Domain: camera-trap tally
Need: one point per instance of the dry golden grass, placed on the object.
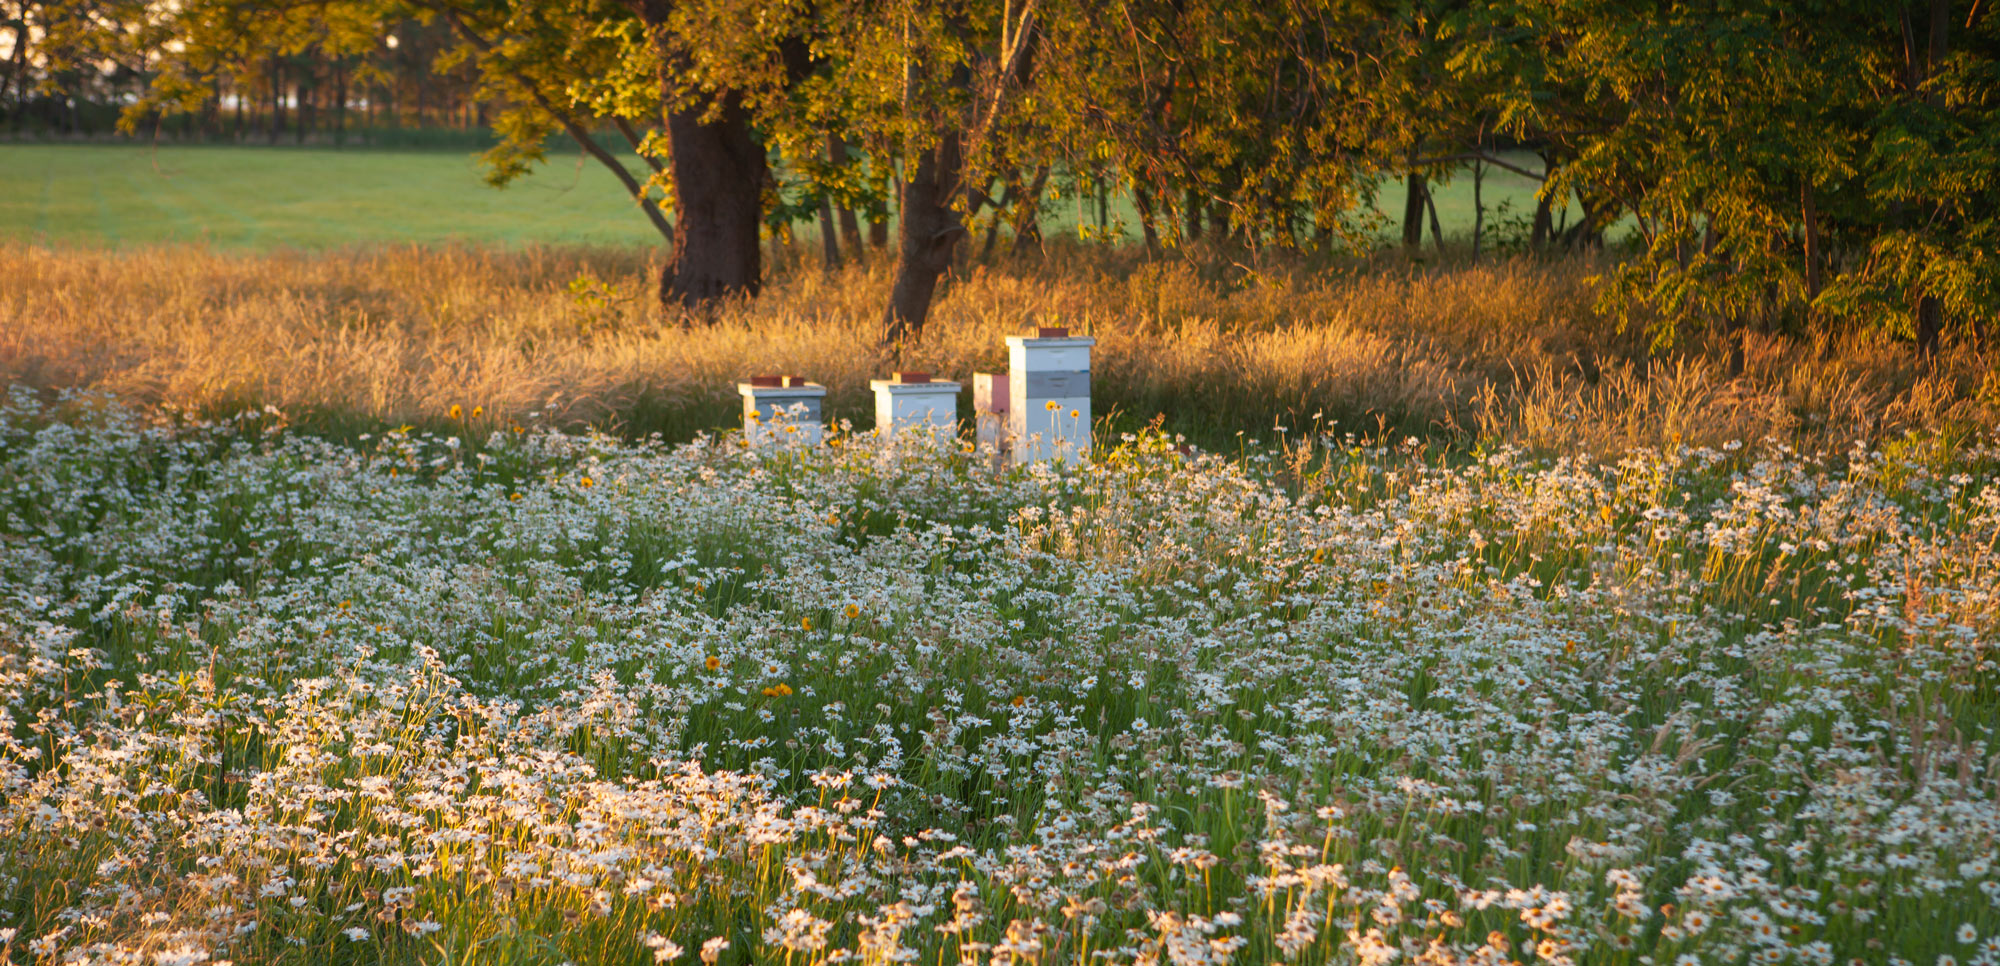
(1507, 348)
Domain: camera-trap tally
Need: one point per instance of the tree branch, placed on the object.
(575, 129)
(632, 135)
(1483, 158)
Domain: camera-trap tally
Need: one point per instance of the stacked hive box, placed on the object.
(781, 408)
(989, 408)
(913, 401)
(1048, 406)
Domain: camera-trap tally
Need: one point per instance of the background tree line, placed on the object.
(1776, 164)
(59, 77)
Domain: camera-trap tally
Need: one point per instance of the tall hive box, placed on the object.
(989, 410)
(914, 401)
(1048, 389)
(779, 408)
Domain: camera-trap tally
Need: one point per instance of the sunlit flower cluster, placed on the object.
(537, 697)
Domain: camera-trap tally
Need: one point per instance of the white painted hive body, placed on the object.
(782, 413)
(924, 407)
(989, 409)
(1048, 408)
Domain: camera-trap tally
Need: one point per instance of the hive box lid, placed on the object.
(781, 392)
(1062, 343)
(913, 388)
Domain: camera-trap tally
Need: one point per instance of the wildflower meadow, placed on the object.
(496, 693)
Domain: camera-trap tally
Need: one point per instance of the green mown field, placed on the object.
(242, 197)
(267, 197)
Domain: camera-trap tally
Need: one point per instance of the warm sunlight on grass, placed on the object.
(1505, 348)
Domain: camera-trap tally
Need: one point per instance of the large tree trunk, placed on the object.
(719, 174)
(930, 230)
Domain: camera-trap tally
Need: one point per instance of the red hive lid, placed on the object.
(913, 377)
(767, 382)
(1052, 332)
(794, 382)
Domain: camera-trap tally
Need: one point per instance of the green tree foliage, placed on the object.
(1760, 162)
(1775, 158)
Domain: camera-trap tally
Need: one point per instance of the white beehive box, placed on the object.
(1048, 406)
(782, 408)
(989, 410)
(914, 401)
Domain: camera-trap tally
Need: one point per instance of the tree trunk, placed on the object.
(1930, 326)
(302, 112)
(829, 243)
(1478, 207)
(719, 174)
(1811, 230)
(930, 230)
(16, 83)
(1142, 200)
(850, 227)
(211, 114)
(339, 106)
(1430, 205)
(880, 176)
(1192, 216)
(1413, 211)
(1930, 311)
(1028, 213)
(277, 101)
